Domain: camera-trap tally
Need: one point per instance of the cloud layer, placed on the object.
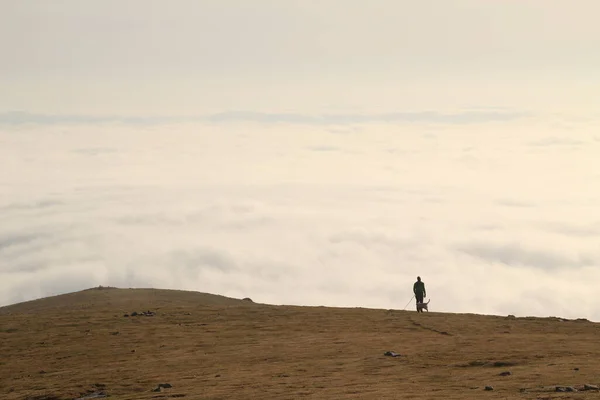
(294, 214)
(464, 117)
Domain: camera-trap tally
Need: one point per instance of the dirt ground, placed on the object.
(212, 347)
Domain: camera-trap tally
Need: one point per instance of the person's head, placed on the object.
(419, 278)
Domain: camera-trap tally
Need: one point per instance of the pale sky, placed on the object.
(192, 57)
(304, 152)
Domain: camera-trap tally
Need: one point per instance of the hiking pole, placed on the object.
(408, 302)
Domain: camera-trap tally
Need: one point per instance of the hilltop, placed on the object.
(204, 346)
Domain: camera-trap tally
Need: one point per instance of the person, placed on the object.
(419, 290)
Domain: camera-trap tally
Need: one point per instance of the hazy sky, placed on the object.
(189, 57)
(305, 152)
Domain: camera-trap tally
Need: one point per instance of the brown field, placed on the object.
(212, 347)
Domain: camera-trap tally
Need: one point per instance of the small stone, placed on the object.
(505, 373)
(218, 376)
(590, 387)
(133, 351)
(248, 299)
(565, 389)
(488, 388)
(134, 314)
(575, 369)
(126, 315)
(162, 386)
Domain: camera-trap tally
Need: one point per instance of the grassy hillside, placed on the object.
(213, 347)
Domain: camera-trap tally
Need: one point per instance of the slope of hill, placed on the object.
(202, 346)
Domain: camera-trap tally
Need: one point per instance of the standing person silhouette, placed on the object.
(419, 291)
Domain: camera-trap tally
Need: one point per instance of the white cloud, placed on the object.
(514, 255)
(461, 117)
(244, 210)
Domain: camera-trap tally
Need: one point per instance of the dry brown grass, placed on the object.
(213, 347)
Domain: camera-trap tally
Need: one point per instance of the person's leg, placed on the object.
(419, 298)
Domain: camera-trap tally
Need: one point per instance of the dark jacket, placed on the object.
(419, 288)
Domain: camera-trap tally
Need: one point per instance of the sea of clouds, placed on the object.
(497, 216)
